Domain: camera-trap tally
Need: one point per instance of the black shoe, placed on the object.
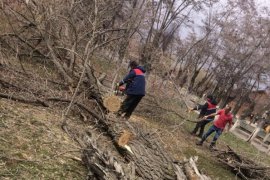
(200, 143)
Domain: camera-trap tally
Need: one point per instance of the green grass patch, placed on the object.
(214, 169)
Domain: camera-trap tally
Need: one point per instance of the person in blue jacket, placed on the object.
(135, 89)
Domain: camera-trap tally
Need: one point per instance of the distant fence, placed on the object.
(249, 128)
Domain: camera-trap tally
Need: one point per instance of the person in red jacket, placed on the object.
(225, 117)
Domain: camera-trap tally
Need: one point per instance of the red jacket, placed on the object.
(223, 119)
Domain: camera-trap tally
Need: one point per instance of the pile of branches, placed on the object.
(143, 157)
(242, 166)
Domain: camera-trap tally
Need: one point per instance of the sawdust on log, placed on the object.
(267, 129)
(112, 103)
(125, 138)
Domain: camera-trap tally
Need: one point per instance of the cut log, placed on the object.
(148, 157)
(124, 138)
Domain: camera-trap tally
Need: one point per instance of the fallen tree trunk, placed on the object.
(148, 157)
(133, 161)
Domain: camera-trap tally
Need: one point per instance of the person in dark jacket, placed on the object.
(209, 107)
(135, 89)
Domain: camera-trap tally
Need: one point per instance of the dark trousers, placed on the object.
(200, 125)
(212, 129)
(129, 104)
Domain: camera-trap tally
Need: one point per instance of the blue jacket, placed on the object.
(135, 81)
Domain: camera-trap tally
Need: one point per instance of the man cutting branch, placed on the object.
(135, 89)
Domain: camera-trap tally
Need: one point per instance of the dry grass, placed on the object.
(33, 146)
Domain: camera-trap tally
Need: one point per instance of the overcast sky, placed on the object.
(263, 2)
(197, 17)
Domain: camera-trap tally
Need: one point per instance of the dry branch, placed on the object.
(23, 100)
(242, 166)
